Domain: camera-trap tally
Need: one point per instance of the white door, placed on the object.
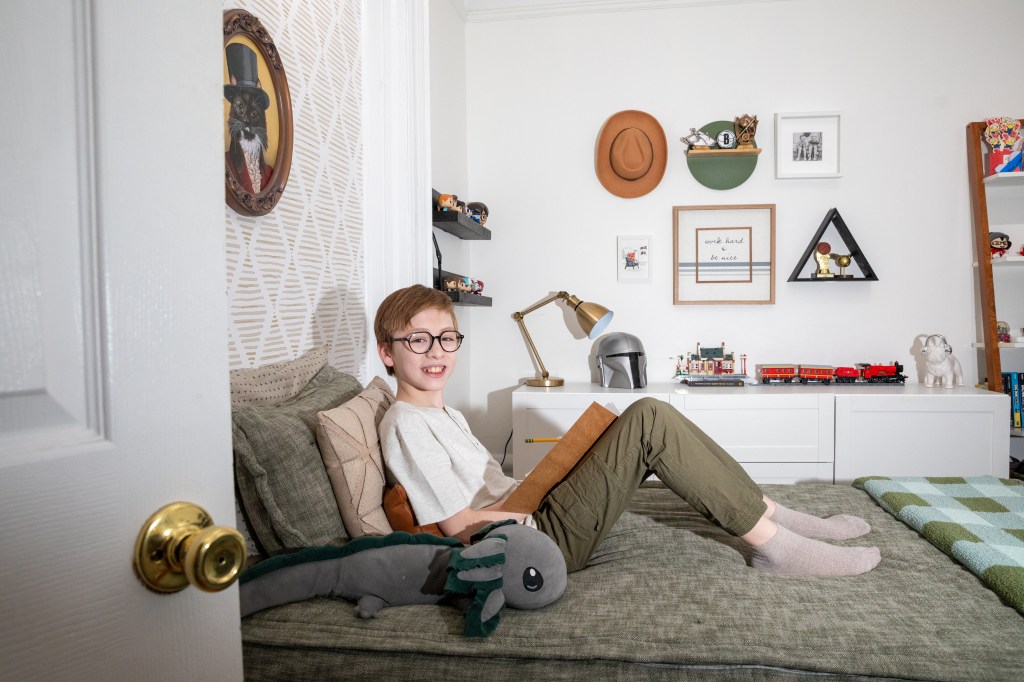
(113, 363)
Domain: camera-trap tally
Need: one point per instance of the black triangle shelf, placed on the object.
(833, 218)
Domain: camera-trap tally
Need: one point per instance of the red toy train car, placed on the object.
(863, 372)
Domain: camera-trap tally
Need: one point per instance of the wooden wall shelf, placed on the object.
(711, 153)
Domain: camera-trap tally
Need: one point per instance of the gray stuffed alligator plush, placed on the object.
(506, 564)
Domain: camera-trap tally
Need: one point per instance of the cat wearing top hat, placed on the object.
(247, 120)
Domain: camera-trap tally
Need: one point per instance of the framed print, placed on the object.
(634, 262)
(807, 145)
(724, 254)
(257, 116)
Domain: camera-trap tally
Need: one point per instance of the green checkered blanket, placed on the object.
(979, 521)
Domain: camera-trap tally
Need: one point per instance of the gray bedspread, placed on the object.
(668, 596)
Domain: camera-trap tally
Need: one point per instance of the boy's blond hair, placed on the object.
(397, 310)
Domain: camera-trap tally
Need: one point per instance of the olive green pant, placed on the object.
(650, 437)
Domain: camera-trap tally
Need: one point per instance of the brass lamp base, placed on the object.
(546, 383)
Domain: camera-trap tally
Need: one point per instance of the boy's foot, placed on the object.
(839, 527)
(790, 554)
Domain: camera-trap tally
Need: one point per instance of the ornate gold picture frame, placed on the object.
(257, 116)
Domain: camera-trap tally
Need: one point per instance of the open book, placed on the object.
(569, 453)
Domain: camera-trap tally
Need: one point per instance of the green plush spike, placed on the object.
(476, 626)
(310, 554)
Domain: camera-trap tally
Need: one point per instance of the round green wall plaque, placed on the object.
(720, 172)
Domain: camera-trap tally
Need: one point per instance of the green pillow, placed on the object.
(285, 493)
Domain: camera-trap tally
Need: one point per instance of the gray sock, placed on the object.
(838, 527)
(790, 554)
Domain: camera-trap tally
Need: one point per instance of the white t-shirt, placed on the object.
(439, 462)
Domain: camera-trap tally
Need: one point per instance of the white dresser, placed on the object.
(792, 433)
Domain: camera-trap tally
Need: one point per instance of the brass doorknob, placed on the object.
(179, 546)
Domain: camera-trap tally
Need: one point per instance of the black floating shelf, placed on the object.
(459, 297)
(458, 224)
(858, 256)
(462, 298)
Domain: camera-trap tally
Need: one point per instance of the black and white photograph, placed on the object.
(807, 145)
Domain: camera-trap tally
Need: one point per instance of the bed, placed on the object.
(667, 596)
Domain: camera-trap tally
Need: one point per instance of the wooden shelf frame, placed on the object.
(978, 183)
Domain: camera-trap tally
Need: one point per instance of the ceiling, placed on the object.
(498, 10)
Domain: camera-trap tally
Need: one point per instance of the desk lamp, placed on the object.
(593, 318)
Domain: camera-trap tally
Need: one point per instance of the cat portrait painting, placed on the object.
(257, 117)
(248, 156)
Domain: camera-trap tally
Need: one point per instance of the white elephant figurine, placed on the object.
(941, 367)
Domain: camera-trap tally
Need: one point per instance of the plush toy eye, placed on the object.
(532, 579)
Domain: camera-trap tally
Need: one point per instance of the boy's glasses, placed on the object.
(422, 342)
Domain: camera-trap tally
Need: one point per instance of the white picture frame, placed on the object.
(723, 254)
(808, 145)
(633, 258)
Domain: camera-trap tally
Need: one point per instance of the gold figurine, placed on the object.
(843, 261)
(746, 128)
(821, 254)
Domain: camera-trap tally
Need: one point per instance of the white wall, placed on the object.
(296, 276)
(448, 161)
(907, 76)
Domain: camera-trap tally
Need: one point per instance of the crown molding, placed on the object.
(460, 8)
(503, 10)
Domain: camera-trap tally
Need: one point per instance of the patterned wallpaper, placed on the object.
(295, 277)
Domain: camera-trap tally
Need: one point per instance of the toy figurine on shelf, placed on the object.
(478, 211)
(1003, 136)
(451, 283)
(447, 202)
(460, 206)
(746, 128)
(697, 139)
(999, 243)
(1003, 332)
(821, 254)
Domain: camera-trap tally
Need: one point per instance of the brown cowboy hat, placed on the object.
(631, 154)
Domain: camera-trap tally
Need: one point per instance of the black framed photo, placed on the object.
(257, 116)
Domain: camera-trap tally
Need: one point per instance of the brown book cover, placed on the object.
(562, 460)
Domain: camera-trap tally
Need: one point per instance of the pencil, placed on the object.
(543, 440)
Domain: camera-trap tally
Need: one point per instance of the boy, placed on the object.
(453, 481)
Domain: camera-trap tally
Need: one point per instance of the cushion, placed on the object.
(278, 382)
(285, 493)
(400, 514)
(351, 454)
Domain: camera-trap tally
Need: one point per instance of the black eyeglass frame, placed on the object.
(408, 344)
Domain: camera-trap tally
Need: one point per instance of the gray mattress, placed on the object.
(669, 596)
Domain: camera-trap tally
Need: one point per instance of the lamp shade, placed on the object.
(593, 318)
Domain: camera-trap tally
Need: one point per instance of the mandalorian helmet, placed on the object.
(621, 361)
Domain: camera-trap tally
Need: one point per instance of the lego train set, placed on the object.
(862, 372)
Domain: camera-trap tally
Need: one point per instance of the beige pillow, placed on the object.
(350, 447)
(274, 384)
